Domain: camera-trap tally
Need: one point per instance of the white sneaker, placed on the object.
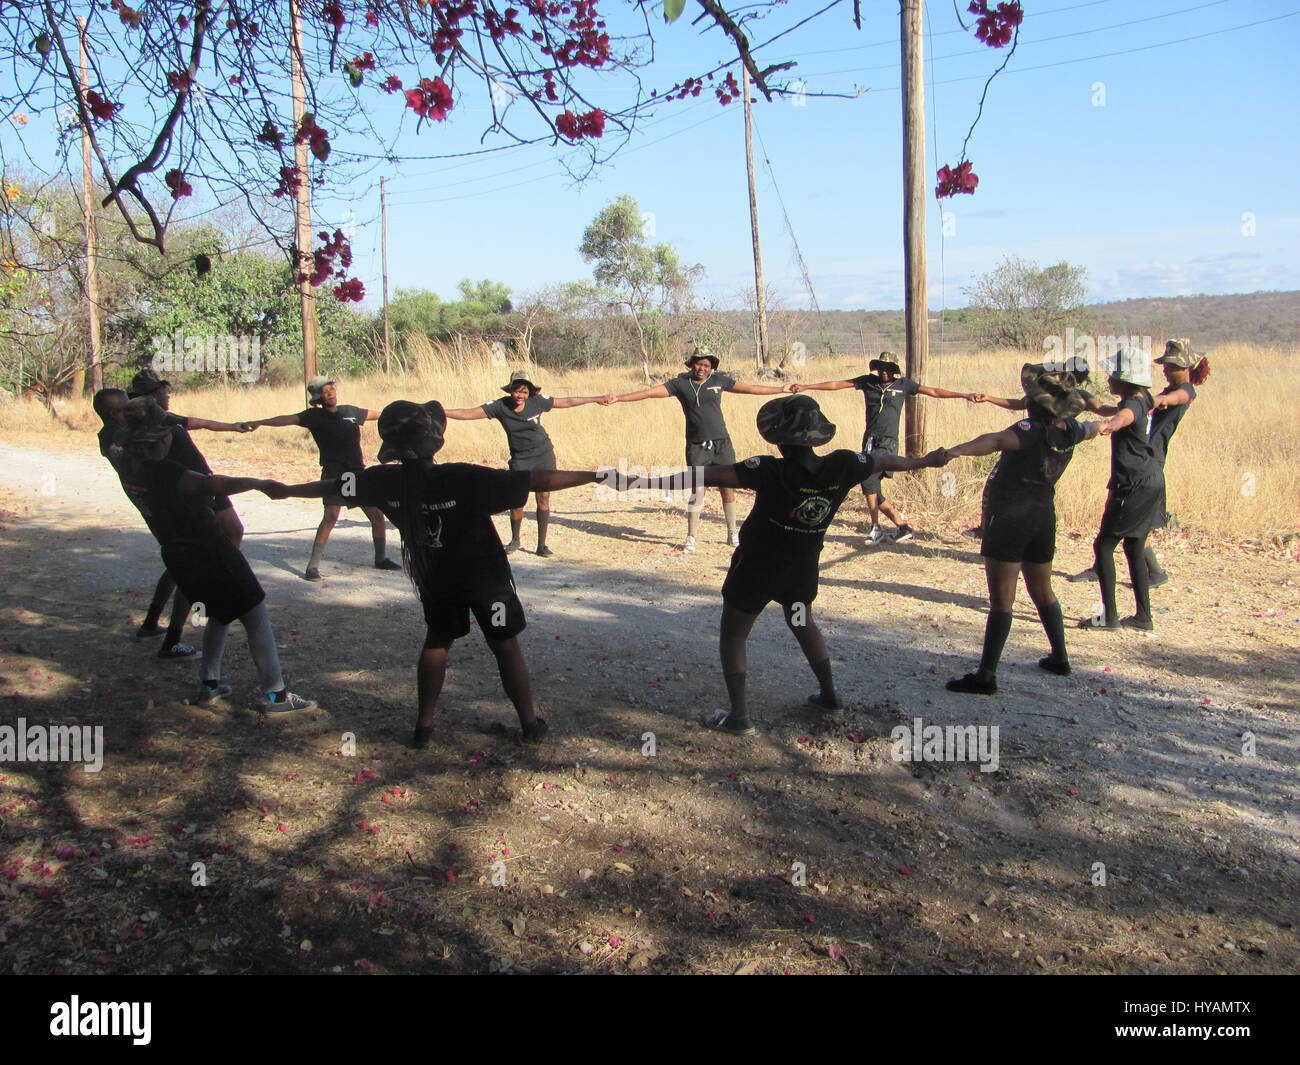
(690, 544)
(875, 536)
(733, 539)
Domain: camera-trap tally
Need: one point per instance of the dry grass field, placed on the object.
(1233, 472)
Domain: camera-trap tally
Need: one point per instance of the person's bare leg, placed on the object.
(543, 522)
(329, 516)
(735, 629)
(891, 512)
(514, 678)
(430, 672)
(873, 507)
(798, 617)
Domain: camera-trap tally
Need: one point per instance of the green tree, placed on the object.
(1018, 305)
(647, 281)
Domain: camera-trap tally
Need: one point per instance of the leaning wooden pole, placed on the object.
(914, 202)
(92, 249)
(760, 296)
(306, 293)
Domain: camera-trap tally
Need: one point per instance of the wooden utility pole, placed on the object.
(914, 187)
(92, 251)
(761, 303)
(383, 252)
(306, 293)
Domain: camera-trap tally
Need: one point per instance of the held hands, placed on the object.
(273, 489)
(244, 427)
(977, 397)
(938, 457)
(795, 387)
(790, 387)
(607, 400)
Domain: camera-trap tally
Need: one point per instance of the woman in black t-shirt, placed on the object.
(520, 414)
(176, 503)
(1135, 504)
(1183, 372)
(780, 543)
(336, 429)
(452, 551)
(1020, 517)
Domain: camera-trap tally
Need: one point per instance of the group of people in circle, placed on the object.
(455, 558)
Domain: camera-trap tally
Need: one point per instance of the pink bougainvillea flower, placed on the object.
(102, 109)
(175, 181)
(906, 870)
(350, 291)
(575, 127)
(391, 84)
(953, 181)
(450, 874)
(372, 19)
(333, 14)
(833, 951)
(614, 941)
(430, 99)
(178, 80)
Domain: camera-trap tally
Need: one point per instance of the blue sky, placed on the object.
(1151, 142)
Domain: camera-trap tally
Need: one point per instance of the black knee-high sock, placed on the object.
(1104, 550)
(996, 630)
(1137, 570)
(736, 693)
(822, 671)
(161, 593)
(1054, 624)
(1154, 570)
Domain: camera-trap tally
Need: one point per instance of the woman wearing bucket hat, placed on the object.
(885, 390)
(210, 570)
(520, 414)
(708, 443)
(1135, 503)
(796, 497)
(336, 429)
(452, 551)
(1020, 516)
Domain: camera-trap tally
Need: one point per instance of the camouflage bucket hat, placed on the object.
(1133, 368)
(1054, 391)
(794, 421)
(316, 388)
(411, 430)
(1178, 354)
(520, 377)
(146, 423)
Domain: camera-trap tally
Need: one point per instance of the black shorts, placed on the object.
(754, 580)
(487, 592)
(1134, 512)
(537, 462)
(1019, 529)
(711, 453)
(885, 445)
(332, 472)
(215, 574)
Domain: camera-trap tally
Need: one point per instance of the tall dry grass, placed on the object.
(1239, 438)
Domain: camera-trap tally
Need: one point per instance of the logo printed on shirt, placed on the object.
(813, 511)
(752, 463)
(1024, 425)
(862, 457)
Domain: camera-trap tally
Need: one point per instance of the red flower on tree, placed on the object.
(576, 127)
(318, 140)
(175, 181)
(290, 181)
(391, 84)
(951, 182)
(350, 291)
(996, 26)
(431, 99)
(99, 107)
(333, 14)
(372, 19)
(178, 80)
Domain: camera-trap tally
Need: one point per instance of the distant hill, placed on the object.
(1264, 318)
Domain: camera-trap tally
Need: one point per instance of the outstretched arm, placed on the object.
(658, 392)
(1177, 398)
(578, 401)
(1118, 422)
(465, 414)
(758, 390)
(943, 393)
(557, 480)
(882, 461)
(203, 484)
(276, 422)
(986, 444)
(823, 386)
(687, 480)
(219, 427)
(310, 490)
(1020, 403)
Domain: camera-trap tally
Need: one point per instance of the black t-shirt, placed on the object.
(884, 403)
(1033, 470)
(792, 507)
(458, 501)
(337, 434)
(524, 432)
(174, 519)
(702, 405)
(1132, 458)
(183, 449)
(1165, 421)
